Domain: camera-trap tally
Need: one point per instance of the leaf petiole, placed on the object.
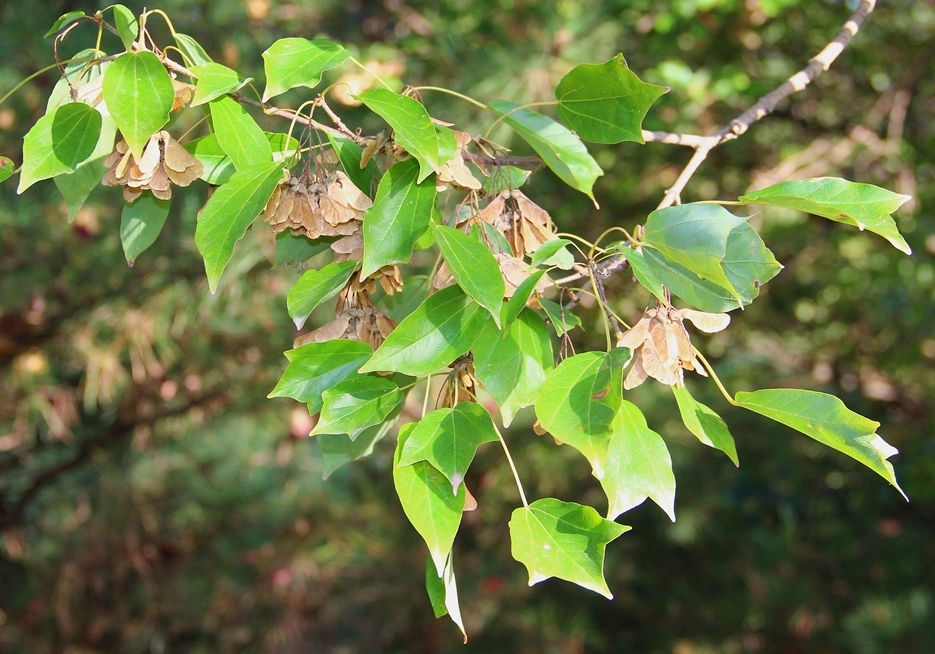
(716, 379)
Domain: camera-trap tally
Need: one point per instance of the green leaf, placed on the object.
(435, 587)
(315, 367)
(77, 186)
(349, 154)
(6, 168)
(748, 265)
(299, 62)
(513, 368)
(578, 402)
(547, 250)
(412, 127)
(695, 236)
(84, 67)
(238, 134)
(704, 423)
(864, 206)
(427, 499)
(356, 404)
(399, 305)
(448, 438)
(59, 142)
(473, 267)
(400, 214)
(126, 24)
(562, 319)
(140, 224)
(139, 95)
(645, 274)
(606, 103)
(191, 50)
(64, 21)
(214, 80)
(229, 212)
(339, 449)
(826, 419)
(637, 465)
(515, 305)
(562, 151)
(565, 540)
(297, 249)
(504, 178)
(443, 593)
(440, 330)
(316, 286)
(218, 167)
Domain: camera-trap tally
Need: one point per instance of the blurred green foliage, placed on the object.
(152, 499)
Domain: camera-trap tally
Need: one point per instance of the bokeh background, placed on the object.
(152, 500)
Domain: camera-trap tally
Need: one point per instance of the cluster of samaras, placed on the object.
(164, 162)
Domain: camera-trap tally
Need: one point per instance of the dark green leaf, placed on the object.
(229, 212)
(562, 319)
(194, 54)
(448, 439)
(339, 449)
(126, 25)
(239, 135)
(349, 154)
(440, 330)
(427, 500)
(605, 103)
(704, 423)
(77, 186)
(140, 224)
(59, 142)
(646, 275)
(400, 214)
(516, 304)
(214, 80)
(297, 249)
(316, 367)
(412, 127)
(64, 21)
(356, 404)
(316, 286)
(826, 419)
(565, 540)
(864, 206)
(748, 265)
(435, 587)
(561, 150)
(504, 178)
(473, 267)
(299, 62)
(512, 369)
(637, 465)
(139, 95)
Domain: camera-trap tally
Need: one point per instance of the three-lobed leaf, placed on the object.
(864, 206)
(315, 367)
(139, 95)
(606, 103)
(141, 223)
(560, 149)
(316, 286)
(59, 142)
(296, 62)
(565, 540)
(473, 267)
(826, 419)
(448, 439)
(356, 404)
(229, 212)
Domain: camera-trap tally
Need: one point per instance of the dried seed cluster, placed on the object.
(164, 162)
(523, 223)
(332, 206)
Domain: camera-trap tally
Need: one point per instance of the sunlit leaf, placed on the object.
(229, 212)
(6, 168)
(412, 127)
(605, 103)
(546, 251)
(473, 267)
(316, 286)
(864, 206)
(443, 593)
(296, 62)
(239, 135)
(218, 167)
(139, 95)
(565, 540)
(214, 80)
(563, 320)
(448, 438)
(637, 465)
(315, 367)
(400, 214)
(826, 419)
(64, 21)
(644, 272)
(126, 24)
(59, 142)
(704, 423)
(504, 178)
(513, 368)
(194, 54)
(562, 151)
(141, 223)
(356, 404)
(515, 305)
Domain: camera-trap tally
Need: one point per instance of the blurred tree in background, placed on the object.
(152, 499)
